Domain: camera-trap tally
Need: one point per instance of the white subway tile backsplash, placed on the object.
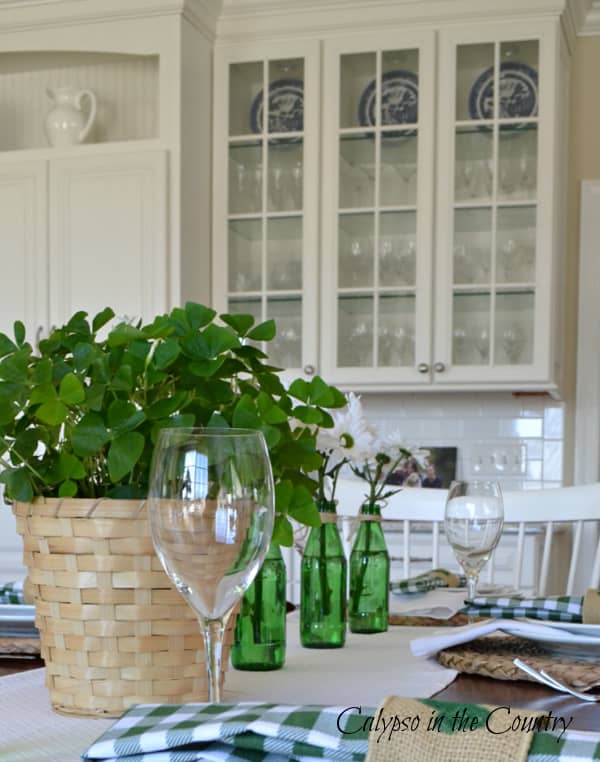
(534, 448)
(553, 423)
(553, 458)
(521, 428)
(529, 433)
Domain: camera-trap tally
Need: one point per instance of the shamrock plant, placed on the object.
(80, 417)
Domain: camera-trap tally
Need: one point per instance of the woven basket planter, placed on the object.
(113, 629)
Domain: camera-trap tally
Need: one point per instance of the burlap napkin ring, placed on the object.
(407, 730)
(450, 579)
(591, 607)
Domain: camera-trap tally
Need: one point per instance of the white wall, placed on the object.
(518, 440)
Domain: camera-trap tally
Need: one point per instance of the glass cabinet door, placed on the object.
(266, 199)
(488, 235)
(377, 248)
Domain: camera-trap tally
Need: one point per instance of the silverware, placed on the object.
(543, 677)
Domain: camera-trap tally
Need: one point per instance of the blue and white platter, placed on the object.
(518, 92)
(399, 99)
(286, 107)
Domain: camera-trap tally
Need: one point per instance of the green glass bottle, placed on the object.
(323, 583)
(259, 636)
(369, 575)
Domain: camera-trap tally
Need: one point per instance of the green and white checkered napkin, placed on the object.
(260, 732)
(12, 592)
(428, 581)
(552, 608)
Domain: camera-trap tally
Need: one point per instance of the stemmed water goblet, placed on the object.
(513, 343)
(211, 510)
(473, 523)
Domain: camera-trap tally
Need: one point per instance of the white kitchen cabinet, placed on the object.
(23, 216)
(500, 189)
(432, 195)
(83, 232)
(378, 139)
(107, 226)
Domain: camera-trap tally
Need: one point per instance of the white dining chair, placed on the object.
(546, 529)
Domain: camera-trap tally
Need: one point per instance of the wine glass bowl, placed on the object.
(211, 510)
(473, 522)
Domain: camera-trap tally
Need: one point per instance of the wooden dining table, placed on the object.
(467, 689)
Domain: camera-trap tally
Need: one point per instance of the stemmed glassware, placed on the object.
(473, 524)
(211, 510)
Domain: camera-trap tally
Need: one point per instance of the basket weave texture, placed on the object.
(113, 629)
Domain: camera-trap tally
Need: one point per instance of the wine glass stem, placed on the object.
(213, 645)
(471, 585)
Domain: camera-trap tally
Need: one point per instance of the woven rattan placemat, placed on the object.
(426, 621)
(493, 655)
(19, 647)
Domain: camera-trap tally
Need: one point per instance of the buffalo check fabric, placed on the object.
(11, 592)
(261, 732)
(550, 608)
(245, 731)
(428, 581)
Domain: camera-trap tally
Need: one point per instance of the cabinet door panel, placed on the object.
(108, 235)
(25, 256)
(496, 237)
(377, 210)
(265, 193)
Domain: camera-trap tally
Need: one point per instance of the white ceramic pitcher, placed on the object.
(66, 124)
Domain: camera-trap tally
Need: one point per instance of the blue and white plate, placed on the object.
(399, 99)
(518, 92)
(286, 107)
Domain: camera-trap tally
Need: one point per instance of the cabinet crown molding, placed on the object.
(261, 19)
(16, 15)
(591, 22)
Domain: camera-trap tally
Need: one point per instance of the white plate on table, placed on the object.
(487, 590)
(17, 621)
(575, 628)
(556, 639)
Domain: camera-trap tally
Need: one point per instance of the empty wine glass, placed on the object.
(513, 343)
(511, 260)
(473, 524)
(482, 344)
(459, 342)
(297, 185)
(211, 511)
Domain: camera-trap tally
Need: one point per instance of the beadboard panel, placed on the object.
(126, 89)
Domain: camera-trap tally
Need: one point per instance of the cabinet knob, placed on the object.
(309, 370)
(439, 367)
(423, 367)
